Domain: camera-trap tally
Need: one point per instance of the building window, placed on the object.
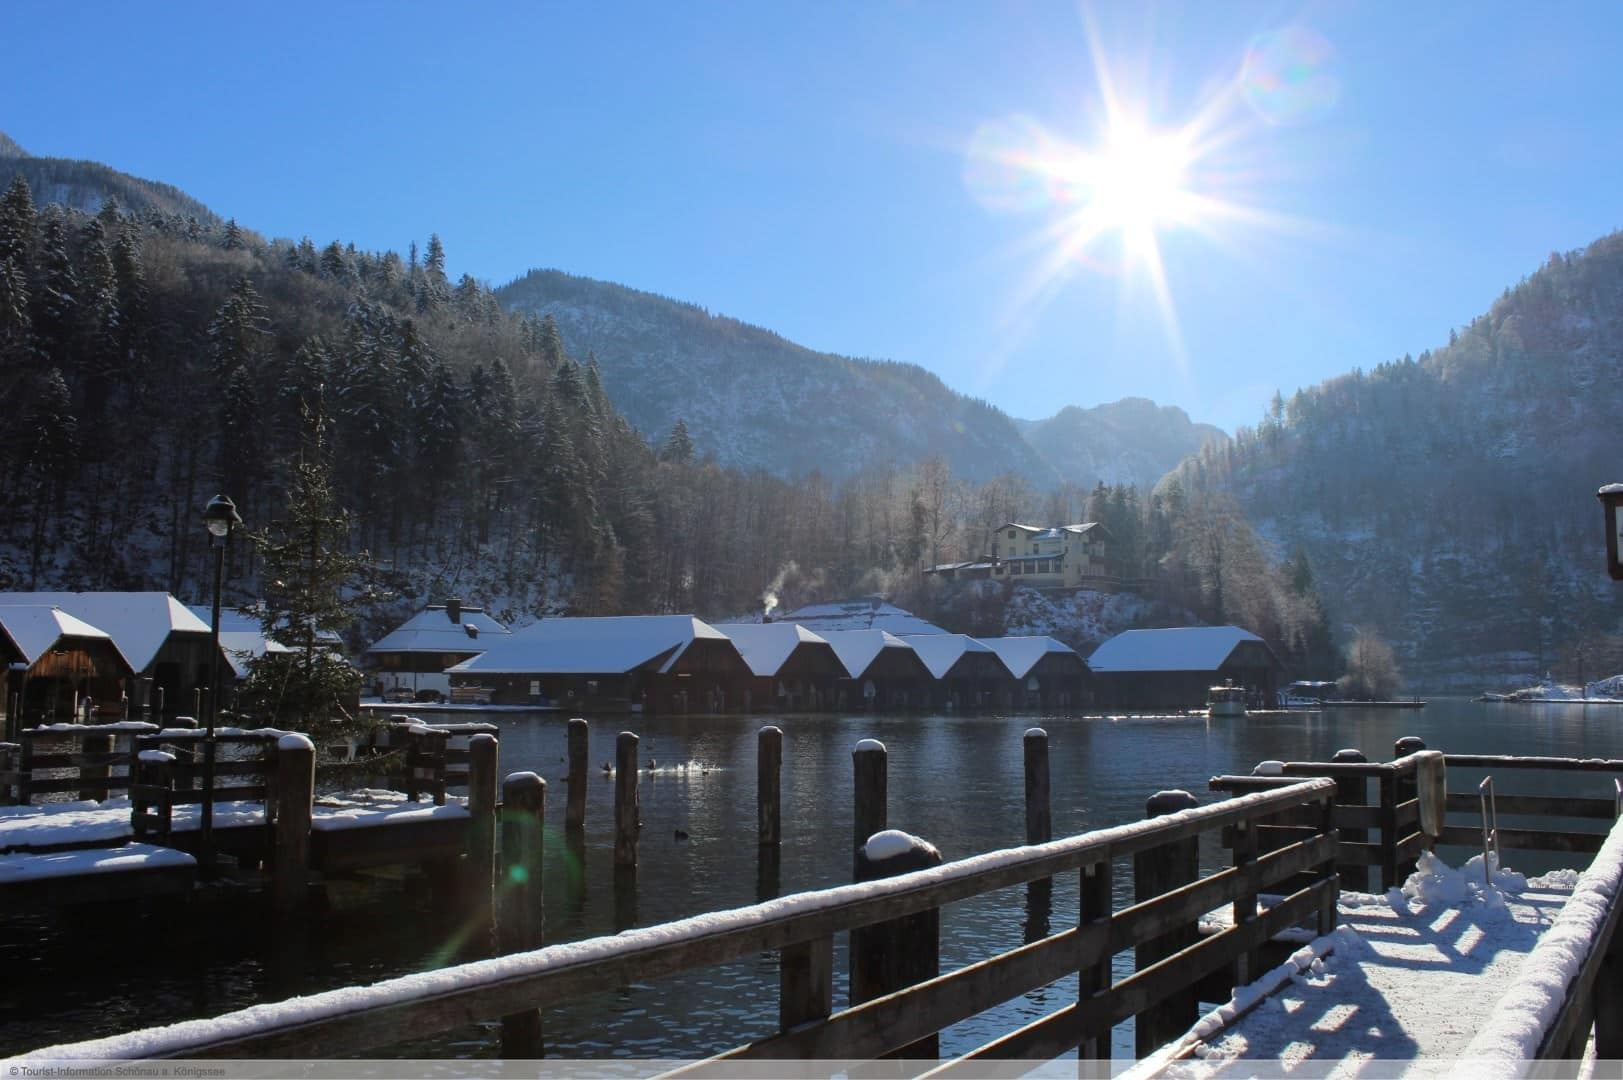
(1011, 534)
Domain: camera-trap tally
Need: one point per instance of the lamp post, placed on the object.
(1611, 497)
(220, 515)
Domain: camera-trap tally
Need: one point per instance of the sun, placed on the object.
(1137, 179)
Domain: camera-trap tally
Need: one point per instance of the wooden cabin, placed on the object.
(1173, 668)
(411, 661)
(164, 642)
(1044, 673)
(791, 668)
(650, 663)
(883, 672)
(54, 662)
(967, 673)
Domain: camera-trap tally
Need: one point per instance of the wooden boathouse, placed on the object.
(966, 673)
(882, 671)
(54, 661)
(791, 668)
(412, 659)
(656, 663)
(1047, 673)
(1173, 668)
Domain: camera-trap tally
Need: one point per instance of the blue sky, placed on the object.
(809, 168)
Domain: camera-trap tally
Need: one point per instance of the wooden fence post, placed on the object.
(575, 797)
(522, 922)
(627, 810)
(1389, 829)
(768, 785)
(295, 792)
(1353, 791)
(870, 772)
(93, 778)
(1098, 903)
(897, 953)
(1158, 871)
(482, 791)
(1407, 788)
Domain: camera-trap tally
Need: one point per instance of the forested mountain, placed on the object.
(756, 400)
(1449, 500)
(1131, 441)
(84, 185)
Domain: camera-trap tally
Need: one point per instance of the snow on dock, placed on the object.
(1409, 980)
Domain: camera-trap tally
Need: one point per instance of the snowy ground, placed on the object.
(1400, 988)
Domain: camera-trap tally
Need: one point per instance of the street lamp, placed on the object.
(220, 515)
(1611, 497)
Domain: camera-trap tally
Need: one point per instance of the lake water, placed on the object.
(954, 779)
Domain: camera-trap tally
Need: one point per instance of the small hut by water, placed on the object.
(967, 673)
(54, 662)
(412, 659)
(1045, 673)
(1173, 668)
(882, 671)
(791, 668)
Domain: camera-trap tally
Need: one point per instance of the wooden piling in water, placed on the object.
(1353, 791)
(575, 796)
(482, 791)
(870, 784)
(290, 854)
(522, 923)
(891, 955)
(1039, 813)
(627, 811)
(1155, 872)
(768, 781)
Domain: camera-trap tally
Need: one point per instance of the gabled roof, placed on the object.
(242, 638)
(766, 647)
(858, 649)
(1182, 648)
(36, 628)
(941, 651)
(870, 613)
(432, 630)
(138, 622)
(1056, 532)
(591, 646)
(1021, 654)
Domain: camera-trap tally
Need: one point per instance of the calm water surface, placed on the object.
(955, 780)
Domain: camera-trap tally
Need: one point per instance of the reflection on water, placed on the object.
(955, 780)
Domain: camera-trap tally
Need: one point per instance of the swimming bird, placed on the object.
(650, 764)
(607, 767)
(681, 835)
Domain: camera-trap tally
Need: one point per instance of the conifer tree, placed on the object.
(18, 224)
(678, 448)
(233, 239)
(237, 336)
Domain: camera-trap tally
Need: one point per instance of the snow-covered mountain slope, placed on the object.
(753, 399)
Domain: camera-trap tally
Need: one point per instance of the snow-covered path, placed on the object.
(1408, 982)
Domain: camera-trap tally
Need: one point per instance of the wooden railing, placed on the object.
(1564, 839)
(91, 760)
(802, 929)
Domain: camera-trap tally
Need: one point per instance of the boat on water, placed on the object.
(1225, 700)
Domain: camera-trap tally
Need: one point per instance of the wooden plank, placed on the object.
(1535, 805)
(381, 845)
(1512, 761)
(1571, 1020)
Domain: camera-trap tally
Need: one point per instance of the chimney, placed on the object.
(453, 609)
(471, 630)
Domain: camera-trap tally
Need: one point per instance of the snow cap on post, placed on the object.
(1036, 733)
(294, 741)
(866, 745)
(1269, 768)
(893, 852)
(1169, 802)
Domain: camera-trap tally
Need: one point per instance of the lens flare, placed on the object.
(1289, 76)
(1003, 165)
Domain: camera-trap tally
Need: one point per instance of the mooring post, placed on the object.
(482, 791)
(575, 797)
(889, 956)
(522, 923)
(1039, 814)
(627, 811)
(870, 783)
(295, 792)
(768, 785)
(1352, 791)
(93, 777)
(1408, 788)
(1157, 872)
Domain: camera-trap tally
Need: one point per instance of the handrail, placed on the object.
(347, 1021)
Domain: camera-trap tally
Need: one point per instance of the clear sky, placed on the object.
(1044, 203)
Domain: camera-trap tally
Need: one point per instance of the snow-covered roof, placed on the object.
(1055, 532)
(432, 630)
(242, 638)
(941, 651)
(1182, 648)
(138, 622)
(591, 646)
(1021, 654)
(941, 568)
(858, 649)
(35, 628)
(870, 613)
(766, 647)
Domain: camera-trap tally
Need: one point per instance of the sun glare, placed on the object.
(1137, 179)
